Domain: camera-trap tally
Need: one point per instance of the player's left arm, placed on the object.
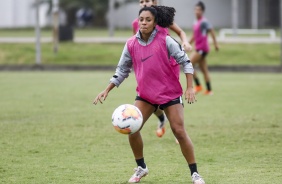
(207, 27)
(189, 93)
(211, 31)
(182, 35)
(175, 50)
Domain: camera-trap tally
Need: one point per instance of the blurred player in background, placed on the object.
(187, 47)
(201, 29)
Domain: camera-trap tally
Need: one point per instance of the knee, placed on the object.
(179, 132)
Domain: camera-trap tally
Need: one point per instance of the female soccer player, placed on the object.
(148, 52)
(201, 29)
(174, 27)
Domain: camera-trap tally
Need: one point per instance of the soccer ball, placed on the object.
(127, 119)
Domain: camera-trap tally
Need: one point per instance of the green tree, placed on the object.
(99, 7)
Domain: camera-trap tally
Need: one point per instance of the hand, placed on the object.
(190, 95)
(101, 97)
(187, 47)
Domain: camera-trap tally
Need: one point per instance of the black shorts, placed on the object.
(162, 106)
(202, 53)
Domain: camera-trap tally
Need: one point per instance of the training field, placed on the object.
(51, 133)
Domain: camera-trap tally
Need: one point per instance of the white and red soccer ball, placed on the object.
(127, 119)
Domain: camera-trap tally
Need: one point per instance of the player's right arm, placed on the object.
(182, 36)
(103, 95)
(122, 72)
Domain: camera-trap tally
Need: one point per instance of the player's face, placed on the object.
(147, 3)
(146, 22)
(198, 12)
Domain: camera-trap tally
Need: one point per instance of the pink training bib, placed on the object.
(176, 67)
(156, 80)
(201, 39)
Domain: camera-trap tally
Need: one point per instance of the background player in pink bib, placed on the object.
(149, 52)
(174, 27)
(201, 29)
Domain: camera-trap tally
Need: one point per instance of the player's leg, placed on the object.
(135, 139)
(204, 68)
(161, 123)
(195, 59)
(175, 116)
(136, 142)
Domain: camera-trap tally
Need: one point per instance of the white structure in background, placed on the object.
(270, 32)
(254, 14)
(21, 13)
(184, 17)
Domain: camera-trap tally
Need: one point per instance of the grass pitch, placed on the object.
(109, 54)
(51, 133)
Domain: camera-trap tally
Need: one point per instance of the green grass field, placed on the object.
(95, 32)
(109, 54)
(47, 32)
(51, 133)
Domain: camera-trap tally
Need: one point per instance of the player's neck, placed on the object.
(200, 17)
(146, 37)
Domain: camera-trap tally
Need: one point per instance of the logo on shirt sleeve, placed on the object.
(144, 59)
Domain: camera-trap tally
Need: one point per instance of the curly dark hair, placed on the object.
(164, 16)
(201, 5)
